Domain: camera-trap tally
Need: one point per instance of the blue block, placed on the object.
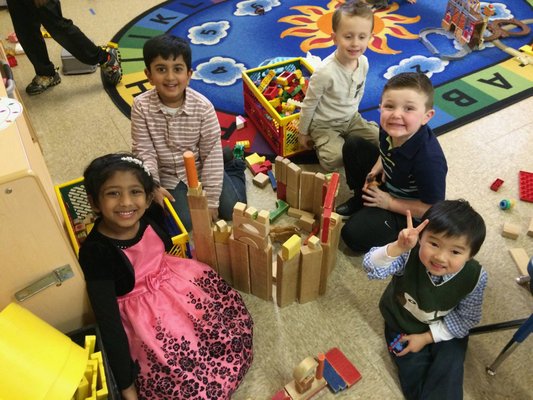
(334, 380)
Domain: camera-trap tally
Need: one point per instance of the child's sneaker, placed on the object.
(111, 69)
(41, 82)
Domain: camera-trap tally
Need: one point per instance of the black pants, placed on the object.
(27, 20)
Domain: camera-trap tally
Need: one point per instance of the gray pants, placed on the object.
(329, 137)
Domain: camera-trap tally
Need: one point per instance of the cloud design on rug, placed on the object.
(249, 7)
(209, 33)
(221, 71)
(500, 11)
(427, 65)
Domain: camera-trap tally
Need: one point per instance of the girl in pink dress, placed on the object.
(172, 327)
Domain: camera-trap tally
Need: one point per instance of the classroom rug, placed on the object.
(229, 37)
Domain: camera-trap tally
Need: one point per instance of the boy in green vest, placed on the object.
(434, 298)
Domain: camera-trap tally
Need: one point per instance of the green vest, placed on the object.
(411, 302)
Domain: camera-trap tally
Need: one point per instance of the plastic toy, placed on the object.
(526, 185)
(396, 346)
(506, 204)
(496, 184)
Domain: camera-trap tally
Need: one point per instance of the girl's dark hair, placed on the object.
(456, 218)
(355, 8)
(167, 46)
(102, 168)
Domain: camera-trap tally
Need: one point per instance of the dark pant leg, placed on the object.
(359, 156)
(69, 35)
(27, 23)
(372, 226)
(444, 379)
(434, 373)
(181, 205)
(233, 188)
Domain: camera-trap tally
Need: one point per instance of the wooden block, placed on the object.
(310, 270)
(240, 264)
(530, 228)
(318, 193)
(298, 213)
(202, 232)
(261, 272)
(343, 366)
(261, 180)
(287, 280)
(278, 169)
(521, 259)
(307, 180)
(510, 231)
(254, 159)
(306, 223)
(291, 247)
(330, 248)
(224, 261)
(221, 231)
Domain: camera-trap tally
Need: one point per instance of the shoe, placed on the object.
(111, 69)
(42, 82)
(227, 154)
(350, 207)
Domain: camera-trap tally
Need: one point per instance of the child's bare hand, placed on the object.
(373, 196)
(160, 194)
(214, 214)
(416, 342)
(305, 142)
(408, 237)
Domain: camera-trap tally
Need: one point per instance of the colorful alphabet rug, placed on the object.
(229, 37)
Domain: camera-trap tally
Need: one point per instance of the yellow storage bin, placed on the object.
(280, 132)
(77, 213)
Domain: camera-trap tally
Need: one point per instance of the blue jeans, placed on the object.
(434, 373)
(233, 191)
(27, 20)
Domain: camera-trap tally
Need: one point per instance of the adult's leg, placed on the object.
(69, 35)
(181, 205)
(27, 23)
(233, 188)
(372, 226)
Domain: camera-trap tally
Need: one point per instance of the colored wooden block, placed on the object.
(291, 247)
(343, 366)
(334, 380)
(254, 159)
(496, 184)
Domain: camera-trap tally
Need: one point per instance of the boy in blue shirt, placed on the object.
(410, 171)
(434, 298)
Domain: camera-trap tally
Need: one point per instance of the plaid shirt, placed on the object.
(160, 139)
(459, 321)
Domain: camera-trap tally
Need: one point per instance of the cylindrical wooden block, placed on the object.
(320, 369)
(190, 168)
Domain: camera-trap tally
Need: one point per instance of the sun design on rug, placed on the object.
(314, 23)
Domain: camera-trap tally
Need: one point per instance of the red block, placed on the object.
(526, 185)
(343, 366)
(496, 184)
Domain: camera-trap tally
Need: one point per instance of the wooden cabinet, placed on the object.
(33, 241)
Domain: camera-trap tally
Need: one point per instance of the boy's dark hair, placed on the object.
(456, 218)
(167, 46)
(412, 80)
(352, 9)
(102, 168)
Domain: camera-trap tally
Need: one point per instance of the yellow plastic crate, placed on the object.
(74, 205)
(280, 132)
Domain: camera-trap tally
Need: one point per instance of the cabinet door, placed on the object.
(32, 245)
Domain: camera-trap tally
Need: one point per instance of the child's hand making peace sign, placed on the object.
(407, 238)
